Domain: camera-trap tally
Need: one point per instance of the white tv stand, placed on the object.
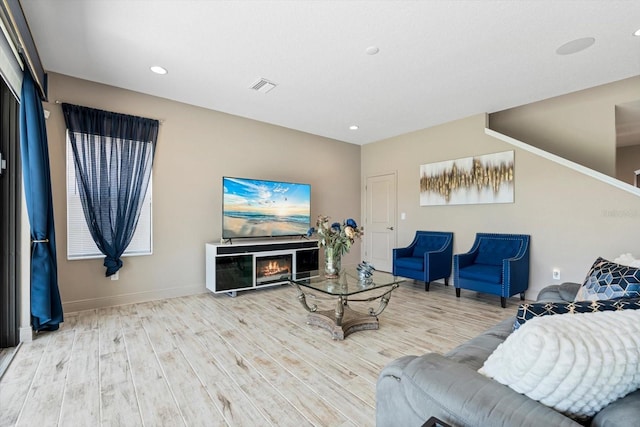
(256, 264)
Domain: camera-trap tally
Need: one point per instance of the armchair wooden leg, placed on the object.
(458, 292)
(521, 296)
(426, 286)
(446, 281)
(503, 302)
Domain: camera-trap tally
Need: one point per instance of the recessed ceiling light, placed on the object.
(159, 70)
(575, 46)
(354, 127)
(372, 50)
(637, 32)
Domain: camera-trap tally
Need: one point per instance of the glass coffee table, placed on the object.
(344, 320)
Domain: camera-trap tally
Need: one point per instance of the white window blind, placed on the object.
(80, 244)
(10, 62)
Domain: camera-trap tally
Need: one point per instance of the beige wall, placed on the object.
(627, 162)
(572, 218)
(196, 147)
(579, 126)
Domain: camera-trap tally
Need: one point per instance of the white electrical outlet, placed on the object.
(556, 274)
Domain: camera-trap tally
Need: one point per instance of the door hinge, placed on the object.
(3, 164)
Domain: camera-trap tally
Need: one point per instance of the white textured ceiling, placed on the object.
(438, 60)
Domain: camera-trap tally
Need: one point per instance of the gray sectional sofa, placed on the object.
(412, 389)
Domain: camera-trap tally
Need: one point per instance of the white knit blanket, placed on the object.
(627, 259)
(574, 363)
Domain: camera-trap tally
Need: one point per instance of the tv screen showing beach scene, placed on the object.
(259, 208)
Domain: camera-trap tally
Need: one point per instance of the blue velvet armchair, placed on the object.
(427, 258)
(496, 264)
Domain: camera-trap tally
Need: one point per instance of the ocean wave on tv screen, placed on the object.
(258, 217)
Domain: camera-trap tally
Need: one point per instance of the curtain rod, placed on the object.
(22, 39)
(161, 121)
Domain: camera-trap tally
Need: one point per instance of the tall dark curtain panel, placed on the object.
(46, 307)
(113, 155)
(10, 199)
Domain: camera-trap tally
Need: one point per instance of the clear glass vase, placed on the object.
(332, 263)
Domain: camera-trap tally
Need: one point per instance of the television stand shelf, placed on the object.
(257, 264)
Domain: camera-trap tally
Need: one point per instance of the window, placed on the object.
(80, 244)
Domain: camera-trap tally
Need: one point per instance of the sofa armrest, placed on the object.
(412, 389)
(402, 252)
(442, 254)
(438, 262)
(464, 260)
(517, 270)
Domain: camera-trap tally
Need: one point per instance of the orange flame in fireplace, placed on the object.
(273, 267)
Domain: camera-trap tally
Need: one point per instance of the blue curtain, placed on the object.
(46, 307)
(113, 155)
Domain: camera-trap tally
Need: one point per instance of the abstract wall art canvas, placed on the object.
(470, 180)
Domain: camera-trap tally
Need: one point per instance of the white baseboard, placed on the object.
(123, 299)
(26, 334)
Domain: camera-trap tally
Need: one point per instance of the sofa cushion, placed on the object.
(411, 263)
(474, 352)
(530, 311)
(622, 412)
(607, 280)
(559, 293)
(493, 251)
(576, 364)
(550, 293)
(482, 272)
(431, 385)
(568, 290)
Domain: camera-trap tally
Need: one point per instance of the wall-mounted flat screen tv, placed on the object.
(259, 208)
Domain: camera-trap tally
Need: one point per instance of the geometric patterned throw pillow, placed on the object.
(607, 280)
(530, 311)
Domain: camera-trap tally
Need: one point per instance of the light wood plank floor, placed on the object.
(212, 360)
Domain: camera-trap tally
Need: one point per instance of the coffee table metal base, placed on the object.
(352, 321)
(343, 320)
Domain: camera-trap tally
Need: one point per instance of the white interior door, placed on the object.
(380, 224)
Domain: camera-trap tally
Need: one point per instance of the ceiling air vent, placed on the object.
(263, 85)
